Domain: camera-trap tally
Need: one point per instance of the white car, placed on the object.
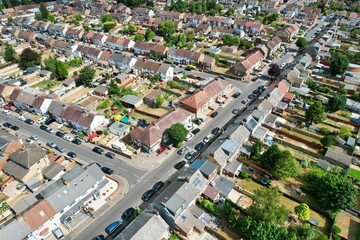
(41, 120)
(22, 118)
(7, 112)
(208, 138)
(68, 138)
(34, 137)
(189, 136)
(282, 65)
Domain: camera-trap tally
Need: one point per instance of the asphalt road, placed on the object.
(83, 151)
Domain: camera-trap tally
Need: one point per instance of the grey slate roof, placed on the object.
(223, 185)
(15, 170)
(130, 99)
(24, 203)
(52, 170)
(206, 167)
(56, 108)
(28, 156)
(337, 156)
(118, 128)
(16, 229)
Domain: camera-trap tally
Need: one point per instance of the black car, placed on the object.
(99, 237)
(237, 94)
(49, 121)
(49, 130)
(110, 155)
(29, 121)
(199, 146)
(182, 150)
(76, 141)
(71, 154)
(179, 165)
(107, 170)
(196, 131)
(43, 127)
(250, 96)
(15, 128)
(214, 114)
(128, 213)
(60, 134)
(98, 150)
(190, 154)
(147, 195)
(8, 125)
(18, 110)
(157, 186)
(215, 131)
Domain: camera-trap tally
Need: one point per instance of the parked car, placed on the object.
(128, 213)
(198, 121)
(76, 141)
(29, 121)
(49, 121)
(236, 95)
(195, 131)
(43, 127)
(207, 138)
(14, 127)
(21, 118)
(215, 131)
(147, 195)
(99, 237)
(60, 148)
(6, 124)
(235, 111)
(221, 76)
(34, 137)
(157, 186)
(8, 106)
(68, 138)
(107, 170)
(51, 144)
(60, 134)
(161, 149)
(251, 96)
(180, 165)
(49, 130)
(214, 114)
(182, 150)
(98, 150)
(41, 120)
(71, 154)
(110, 155)
(190, 154)
(112, 227)
(245, 101)
(6, 112)
(349, 75)
(199, 146)
(188, 137)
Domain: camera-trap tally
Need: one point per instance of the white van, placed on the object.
(119, 146)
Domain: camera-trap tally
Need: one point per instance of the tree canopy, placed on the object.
(149, 34)
(29, 58)
(337, 102)
(280, 164)
(106, 18)
(257, 149)
(301, 42)
(274, 70)
(327, 141)
(266, 206)
(87, 75)
(9, 53)
(315, 113)
(43, 11)
(107, 26)
(303, 211)
(177, 133)
(166, 29)
(262, 230)
(339, 64)
(57, 67)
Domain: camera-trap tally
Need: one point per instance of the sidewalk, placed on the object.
(105, 202)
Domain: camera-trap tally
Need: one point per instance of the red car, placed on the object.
(161, 150)
(8, 106)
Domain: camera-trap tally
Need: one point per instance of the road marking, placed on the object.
(123, 169)
(136, 175)
(109, 163)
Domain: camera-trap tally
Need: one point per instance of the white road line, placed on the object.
(123, 169)
(136, 175)
(109, 163)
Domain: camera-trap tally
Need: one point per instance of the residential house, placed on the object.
(131, 101)
(149, 67)
(73, 33)
(61, 46)
(183, 56)
(8, 144)
(149, 138)
(173, 203)
(203, 29)
(145, 12)
(288, 32)
(269, 6)
(90, 53)
(251, 28)
(224, 185)
(42, 102)
(119, 129)
(26, 163)
(82, 120)
(5, 91)
(57, 29)
(194, 19)
(24, 98)
(273, 45)
(151, 97)
(170, 15)
(245, 67)
(121, 61)
(145, 48)
(337, 157)
(27, 36)
(121, 44)
(207, 168)
(297, 76)
(219, 21)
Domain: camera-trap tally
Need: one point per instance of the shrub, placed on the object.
(335, 229)
(211, 207)
(244, 175)
(325, 131)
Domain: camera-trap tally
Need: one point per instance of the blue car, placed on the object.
(349, 75)
(112, 227)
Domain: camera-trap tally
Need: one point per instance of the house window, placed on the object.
(42, 213)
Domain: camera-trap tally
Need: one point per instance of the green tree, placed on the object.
(279, 163)
(301, 42)
(327, 141)
(149, 34)
(132, 29)
(339, 64)
(155, 78)
(159, 101)
(166, 29)
(43, 11)
(139, 37)
(78, 17)
(113, 88)
(257, 149)
(345, 131)
(302, 232)
(230, 11)
(10, 19)
(262, 230)
(266, 206)
(8, 4)
(337, 102)
(190, 35)
(333, 190)
(86, 76)
(212, 12)
(51, 18)
(107, 26)
(227, 39)
(274, 70)
(29, 58)
(303, 211)
(177, 133)
(9, 53)
(315, 113)
(61, 70)
(106, 18)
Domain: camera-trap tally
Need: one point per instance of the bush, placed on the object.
(335, 229)
(177, 85)
(104, 104)
(325, 131)
(244, 175)
(211, 207)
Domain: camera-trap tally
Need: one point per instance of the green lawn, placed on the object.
(354, 173)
